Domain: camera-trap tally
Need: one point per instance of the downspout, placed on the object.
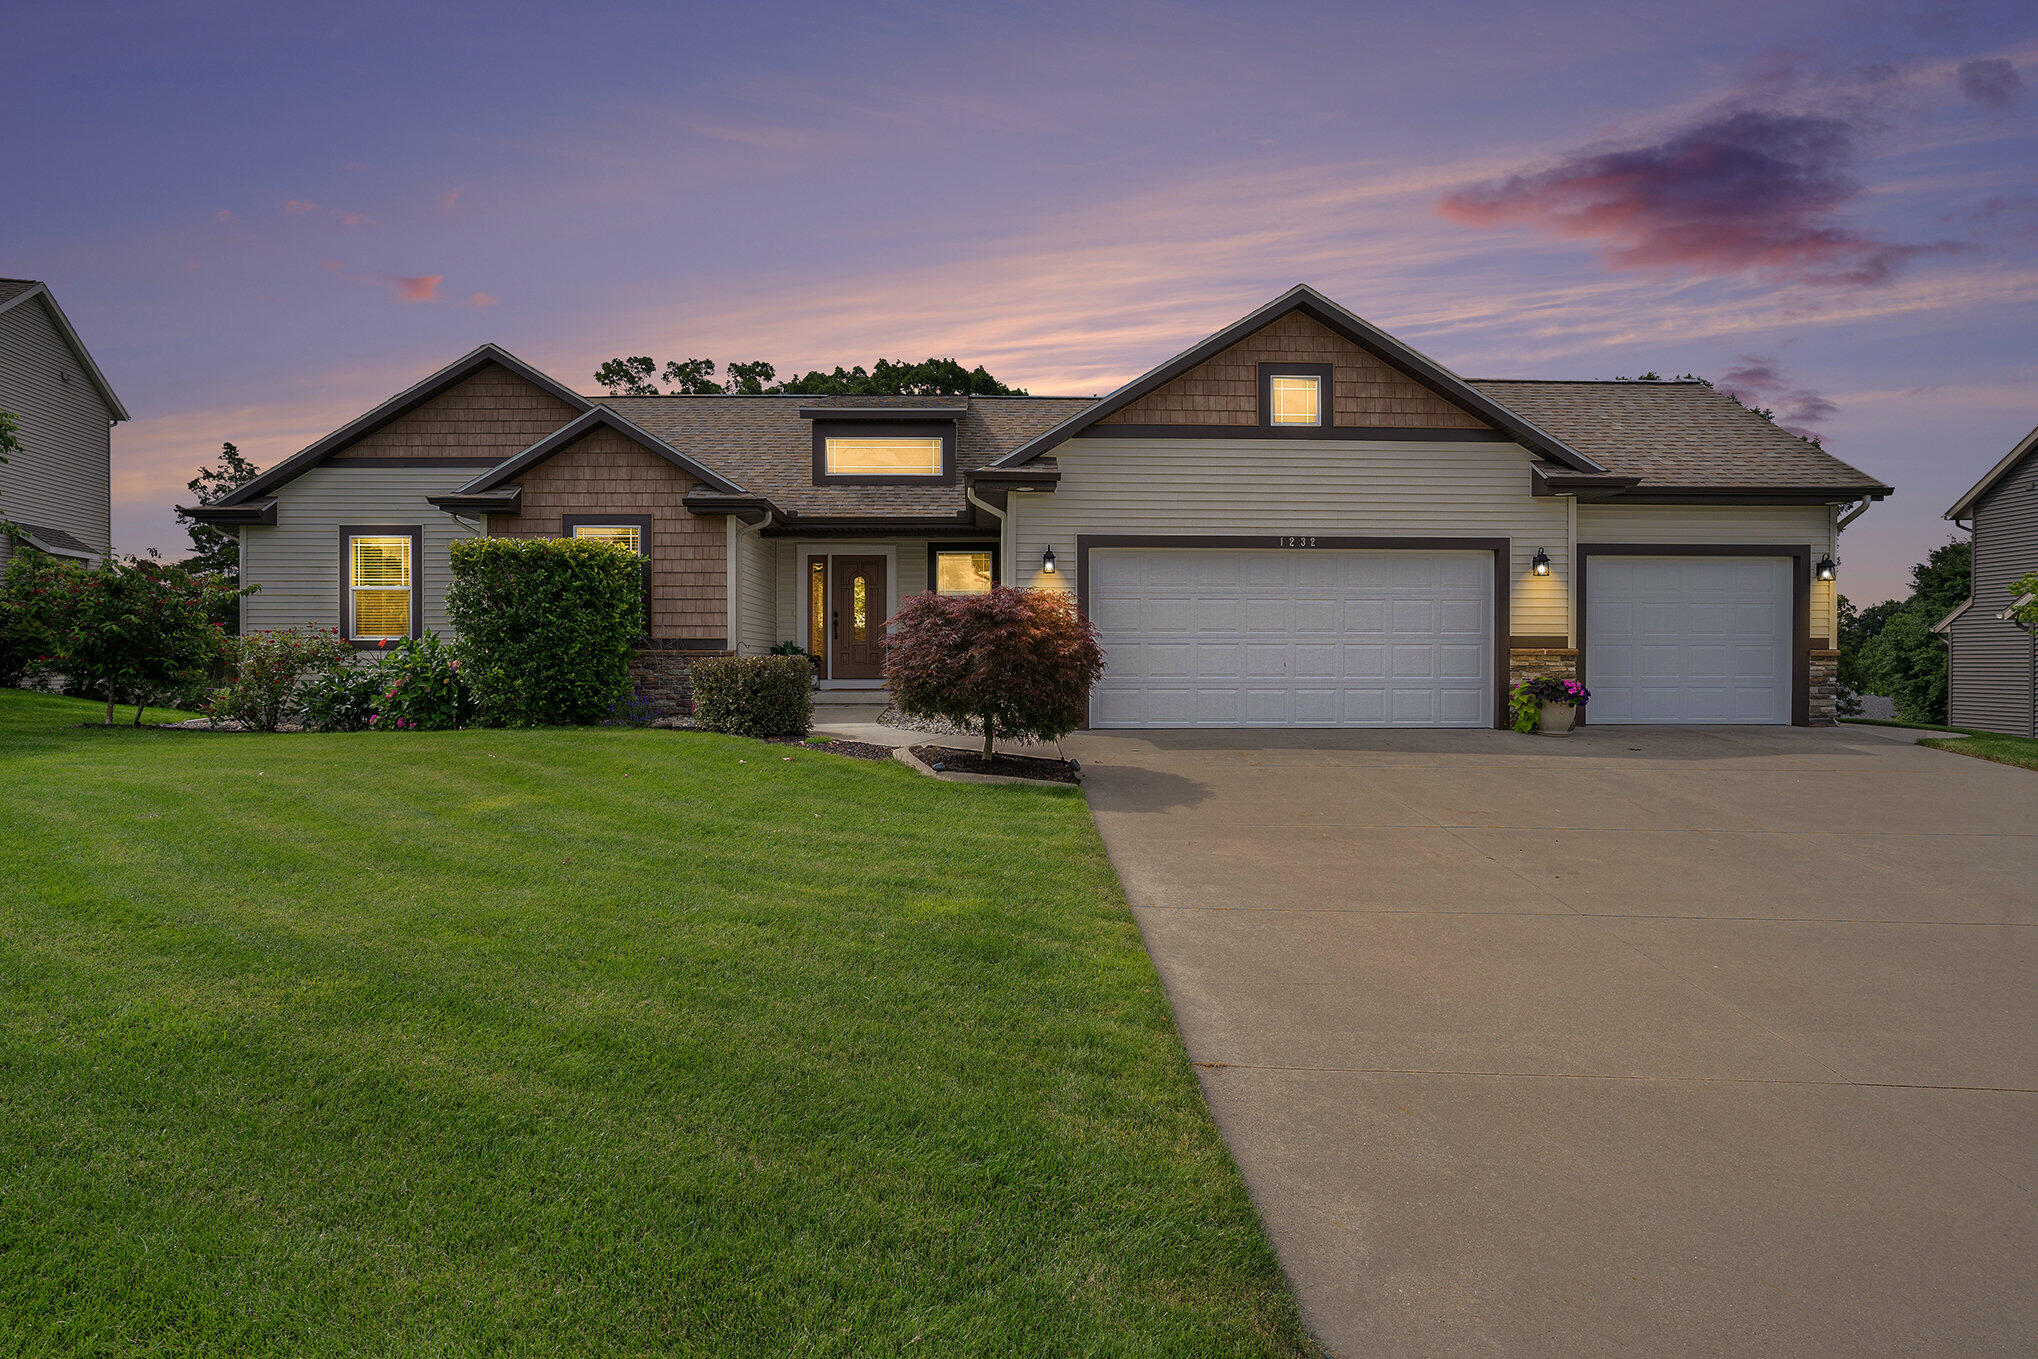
(1004, 530)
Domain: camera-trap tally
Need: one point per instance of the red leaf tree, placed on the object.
(1019, 662)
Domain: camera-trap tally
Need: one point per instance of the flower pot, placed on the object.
(1557, 719)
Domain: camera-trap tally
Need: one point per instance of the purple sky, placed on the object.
(263, 225)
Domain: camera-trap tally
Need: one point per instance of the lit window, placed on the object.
(817, 604)
(629, 535)
(379, 585)
(1295, 400)
(963, 573)
(886, 457)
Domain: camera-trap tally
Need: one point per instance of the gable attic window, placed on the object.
(379, 597)
(1294, 395)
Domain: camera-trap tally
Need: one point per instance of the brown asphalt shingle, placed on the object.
(762, 444)
(1673, 434)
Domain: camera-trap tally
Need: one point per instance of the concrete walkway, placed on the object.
(1644, 1043)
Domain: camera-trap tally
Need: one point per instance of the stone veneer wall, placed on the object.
(1825, 685)
(658, 675)
(1529, 662)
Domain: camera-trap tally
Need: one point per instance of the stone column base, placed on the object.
(658, 675)
(1824, 708)
(1529, 662)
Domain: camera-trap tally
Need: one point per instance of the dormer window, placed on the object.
(1295, 395)
(859, 455)
(883, 446)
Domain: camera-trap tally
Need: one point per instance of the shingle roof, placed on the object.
(1674, 434)
(763, 444)
(11, 288)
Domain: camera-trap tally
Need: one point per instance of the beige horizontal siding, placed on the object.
(1808, 526)
(1315, 487)
(297, 562)
(756, 593)
(62, 476)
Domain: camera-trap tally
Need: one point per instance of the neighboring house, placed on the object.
(1994, 679)
(59, 488)
(1298, 522)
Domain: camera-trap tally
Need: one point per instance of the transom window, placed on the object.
(888, 456)
(964, 571)
(1295, 399)
(629, 535)
(379, 586)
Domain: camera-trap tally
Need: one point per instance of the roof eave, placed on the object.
(261, 513)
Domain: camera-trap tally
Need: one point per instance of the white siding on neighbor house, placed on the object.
(1324, 488)
(756, 594)
(298, 561)
(1794, 525)
(62, 477)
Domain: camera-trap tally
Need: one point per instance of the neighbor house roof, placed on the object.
(1671, 436)
(16, 292)
(1965, 505)
(56, 541)
(766, 443)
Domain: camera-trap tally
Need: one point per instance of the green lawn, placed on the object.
(2017, 750)
(585, 1042)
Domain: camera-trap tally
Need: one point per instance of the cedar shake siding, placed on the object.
(1993, 686)
(489, 417)
(1225, 389)
(606, 473)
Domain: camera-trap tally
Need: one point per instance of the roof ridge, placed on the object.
(1607, 382)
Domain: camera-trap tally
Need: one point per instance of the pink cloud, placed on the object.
(298, 205)
(1744, 190)
(1759, 380)
(478, 300)
(449, 198)
(412, 287)
(222, 216)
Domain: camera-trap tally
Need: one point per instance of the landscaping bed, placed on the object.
(951, 760)
(586, 1041)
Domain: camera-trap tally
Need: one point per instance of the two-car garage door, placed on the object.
(1293, 637)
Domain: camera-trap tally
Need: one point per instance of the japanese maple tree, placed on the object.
(1020, 663)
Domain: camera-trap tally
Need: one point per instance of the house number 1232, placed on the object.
(1298, 542)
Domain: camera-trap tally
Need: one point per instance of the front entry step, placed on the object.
(851, 698)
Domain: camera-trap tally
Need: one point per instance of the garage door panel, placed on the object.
(1293, 638)
(1675, 640)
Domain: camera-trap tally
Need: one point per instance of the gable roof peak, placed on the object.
(16, 291)
(578, 428)
(1341, 321)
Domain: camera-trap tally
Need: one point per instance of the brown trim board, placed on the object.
(1801, 604)
(1423, 434)
(416, 534)
(1501, 548)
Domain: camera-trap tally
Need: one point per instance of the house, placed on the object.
(1993, 683)
(58, 490)
(1299, 521)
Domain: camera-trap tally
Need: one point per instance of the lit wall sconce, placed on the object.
(1047, 561)
(1540, 563)
(1827, 568)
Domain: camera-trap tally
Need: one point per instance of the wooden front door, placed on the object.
(856, 617)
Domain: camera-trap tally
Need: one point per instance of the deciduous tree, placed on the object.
(1019, 663)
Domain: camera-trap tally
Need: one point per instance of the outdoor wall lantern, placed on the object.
(1827, 568)
(1540, 563)
(1047, 561)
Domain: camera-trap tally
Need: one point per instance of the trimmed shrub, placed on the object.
(753, 695)
(547, 627)
(422, 689)
(1018, 663)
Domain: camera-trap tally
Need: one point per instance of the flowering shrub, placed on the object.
(422, 689)
(753, 695)
(1526, 700)
(340, 699)
(131, 628)
(265, 669)
(630, 711)
(547, 626)
(1019, 662)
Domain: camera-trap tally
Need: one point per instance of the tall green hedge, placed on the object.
(547, 627)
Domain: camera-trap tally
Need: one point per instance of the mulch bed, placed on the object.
(953, 761)
(855, 750)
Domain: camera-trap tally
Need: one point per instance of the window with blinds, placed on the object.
(629, 535)
(379, 585)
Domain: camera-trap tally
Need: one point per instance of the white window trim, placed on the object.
(1322, 399)
(936, 473)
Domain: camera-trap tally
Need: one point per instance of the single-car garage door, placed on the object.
(1231, 637)
(1671, 640)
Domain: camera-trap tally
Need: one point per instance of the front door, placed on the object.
(856, 617)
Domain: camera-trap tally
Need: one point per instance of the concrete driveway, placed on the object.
(1644, 1043)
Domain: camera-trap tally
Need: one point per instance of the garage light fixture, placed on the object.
(1540, 563)
(1047, 561)
(1827, 568)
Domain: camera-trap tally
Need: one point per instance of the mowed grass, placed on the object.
(2017, 750)
(585, 1042)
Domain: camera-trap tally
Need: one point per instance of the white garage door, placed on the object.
(1310, 638)
(1688, 640)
